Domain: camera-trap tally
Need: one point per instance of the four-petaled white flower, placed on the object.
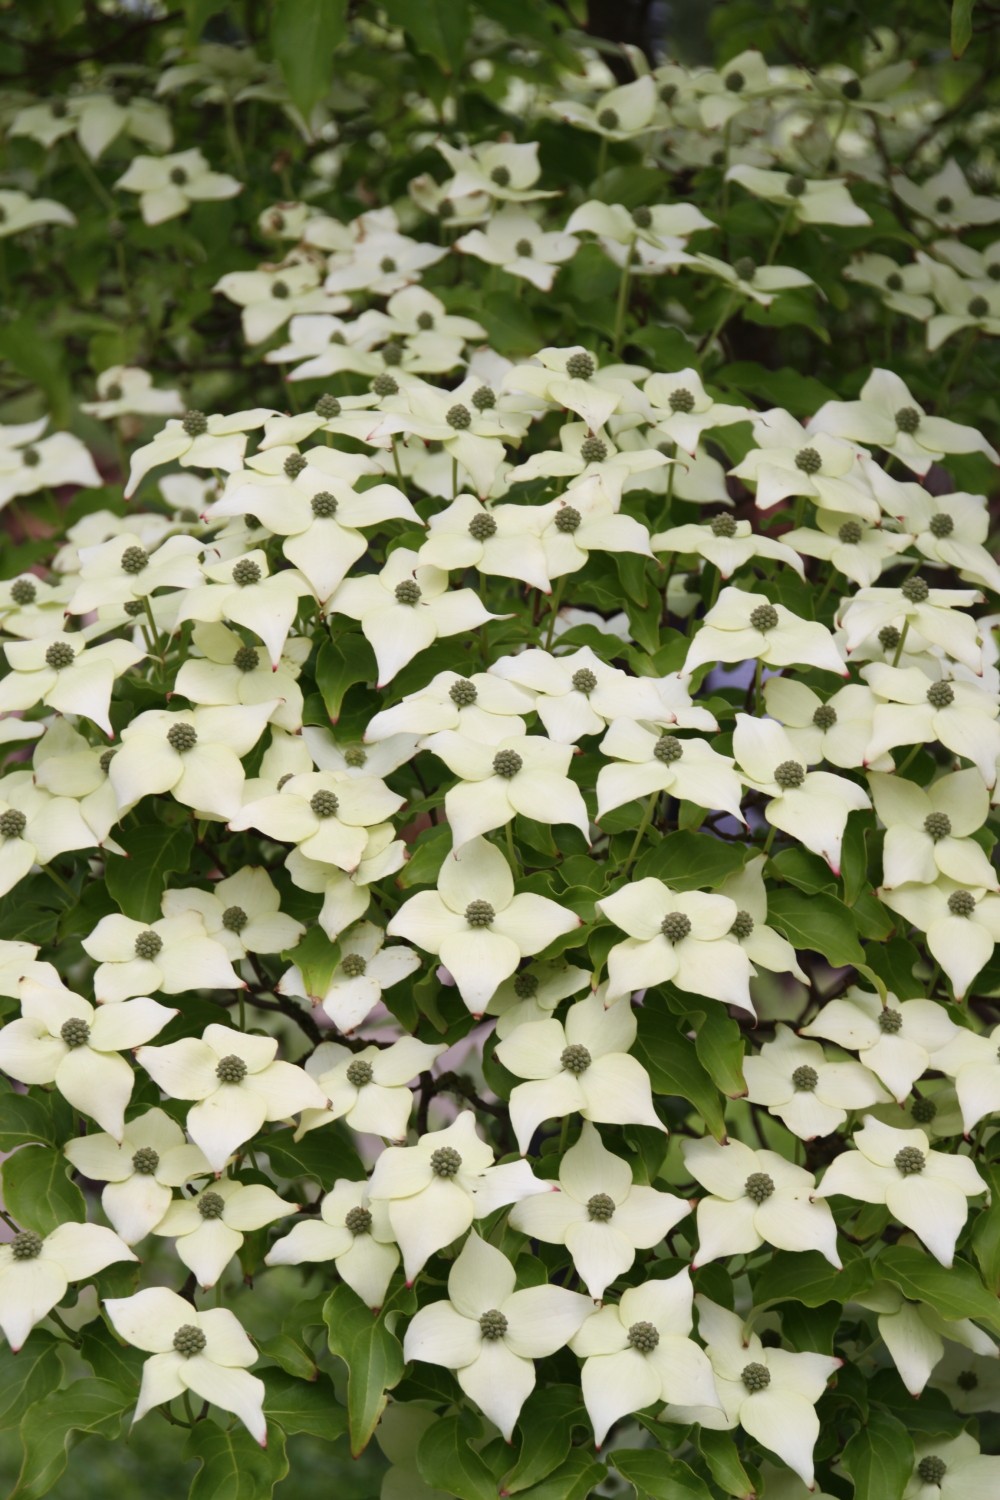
(36, 1270)
(489, 1333)
(743, 627)
(368, 1089)
(526, 775)
(650, 762)
(170, 956)
(66, 674)
(354, 1232)
(325, 813)
(961, 927)
(757, 1198)
(928, 829)
(896, 1041)
(887, 416)
(207, 1229)
(366, 968)
(152, 1157)
(207, 1353)
(925, 1190)
(599, 1214)
(168, 185)
(954, 1470)
(793, 1080)
(241, 913)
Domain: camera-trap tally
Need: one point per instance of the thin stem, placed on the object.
(964, 349)
(758, 681)
(647, 818)
(769, 840)
(911, 757)
(73, 1338)
(728, 308)
(602, 157)
(93, 180)
(63, 885)
(454, 479)
(511, 851)
(9, 1222)
(396, 463)
(902, 643)
(622, 305)
(554, 610)
(232, 137)
(779, 234)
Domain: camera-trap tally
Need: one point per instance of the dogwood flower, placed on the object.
(757, 1197)
(741, 627)
(887, 416)
(243, 592)
(898, 1041)
(950, 1470)
(925, 1190)
(124, 390)
(927, 831)
(586, 521)
(861, 553)
(480, 707)
(769, 1392)
(931, 612)
(648, 762)
(168, 185)
(589, 456)
(824, 201)
(235, 1082)
(618, 115)
(497, 169)
(172, 955)
(577, 694)
(327, 815)
(19, 212)
(50, 463)
(229, 672)
(765, 948)
(405, 608)
(118, 570)
(972, 1061)
(837, 729)
(488, 1333)
(67, 674)
(744, 82)
(726, 542)
(152, 1156)
(676, 937)
(811, 1096)
(368, 1089)
(433, 1190)
(949, 529)
(945, 199)
(381, 263)
(915, 1334)
(903, 288)
(359, 760)
(682, 409)
(652, 235)
(36, 827)
(500, 540)
(969, 1380)
(570, 378)
(526, 775)
(207, 1353)
(208, 1228)
(599, 1214)
(366, 968)
(59, 1038)
(577, 1066)
(745, 278)
(198, 441)
(961, 927)
(353, 1231)
(193, 754)
(913, 710)
(480, 940)
(270, 296)
(787, 462)
(810, 806)
(514, 241)
(533, 993)
(241, 913)
(36, 1270)
(346, 898)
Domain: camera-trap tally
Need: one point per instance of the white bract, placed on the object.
(526, 775)
(352, 1231)
(650, 763)
(812, 1096)
(208, 1228)
(36, 1270)
(152, 1157)
(961, 926)
(927, 830)
(368, 1088)
(168, 185)
(170, 956)
(757, 1197)
(741, 627)
(366, 968)
(896, 1041)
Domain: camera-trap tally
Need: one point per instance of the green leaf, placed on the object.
(27, 1377)
(986, 1234)
(233, 1466)
(323, 1155)
(111, 1360)
(23, 1118)
(573, 1480)
(294, 1359)
(800, 868)
(304, 1405)
(879, 1458)
(87, 1407)
(373, 1356)
(304, 34)
(546, 1431)
(656, 1474)
(719, 1452)
(674, 1069)
(447, 1462)
(961, 25)
(339, 666)
(809, 1278)
(818, 923)
(691, 861)
(719, 1045)
(137, 883)
(316, 958)
(954, 1291)
(37, 1191)
(437, 28)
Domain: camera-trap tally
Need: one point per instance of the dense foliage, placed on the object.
(501, 720)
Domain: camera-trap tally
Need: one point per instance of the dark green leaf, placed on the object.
(656, 1474)
(954, 1291)
(23, 1118)
(961, 25)
(339, 666)
(573, 1480)
(372, 1354)
(692, 861)
(879, 1458)
(233, 1466)
(674, 1069)
(28, 1376)
(807, 1277)
(316, 958)
(818, 923)
(447, 1462)
(719, 1452)
(137, 883)
(37, 1191)
(437, 28)
(719, 1045)
(545, 1427)
(304, 1405)
(86, 1407)
(323, 1155)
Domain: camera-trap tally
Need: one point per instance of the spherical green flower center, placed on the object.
(501, 176)
(805, 1079)
(358, 1221)
(932, 1469)
(246, 572)
(759, 1187)
(30, 457)
(324, 804)
(482, 526)
(941, 524)
(890, 1020)
(246, 659)
(593, 450)
(584, 681)
(392, 353)
(723, 525)
(852, 89)
(234, 919)
(74, 1032)
(231, 1069)
(643, 1337)
(23, 592)
(743, 925)
(459, 417)
(189, 1341)
(796, 186)
(601, 1207)
(526, 986)
(894, 282)
(12, 823)
(978, 307)
(384, 385)
(26, 1245)
(134, 560)
(145, 1161)
(279, 289)
(764, 617)
(937, 825)
(889, 638)
(789, 775)
(850, 533)
(915, 591)
(908, 419)
(676, 926)
(387, 265)
(668, 93)
(59, 655)
(463, 693)
(445, 1161)
(182, 737)
(359, 1073)
(924, 1111)
(668, 748)
(148, 944)
(910, 1161)
(940, 695)
(808, 460)
(408, 592)
(608, 119)
(211, 1205)
(355, 757)
(961, 903)
(480, 914)
(107, 756)
(744, 268)
(580, 366)
(642, 217)
(327, 407)
(324, 505)
(178, 176)
(735, 81)
(425, 321)
(967, 1380)
(354, 965)
(568, 519)
(194, 423)
(493, 1324)
(825, 716)
(575, 1059)
(484, 399)
(755, 1377)
(507, 763)
(134, 608)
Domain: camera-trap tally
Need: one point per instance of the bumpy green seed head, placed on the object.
(681, 400)
(12, 823)
(851, 89)
(978, 307)
(755, 1377)
(915, 591)
(134, 608)
(643, 1337)
(676, 926)
(796, 186)
(889, 638)
(23, 592)
(593, 450)
(178, 176)
(234, 919)
(384, 385)
(744, 268)
(387, 265)
(967, 1380)
(107, 756)
(359, 1073)
(805, 1079)
(408, 592)
(735, 81)
(924, 1111)
(358, 1221)
(484, 399)
(601, 1208)
(910, 1161)
(890, 1020)
(294, 464)
(231, 1069)
(182, 737)
(445, 1161)
(743, 925)
(463, 693)
(425, 321)
(825, 716)
(932, 1469)
(940, 695)
(575, 1059)
(355, 756)
(211, 1205)
(26, 1245)
(808, 460)
(961, 903)
(324, 505)
(764, 617)
(59, 655)
(580, 366)
(279, 289)
(459, 417)
(324, 804)
(354, 965)
(134, 560)
(189, 1341)
(850, 533)
(493, 1325)
(526, 986)
(327, 407)
(30, 456)
(507, 763)
(482, 526)
(789, 775)
(668, 748)
(501, 176)
(246, 658)
(74, 1032)
(759, 1187)
(480, 914)
(894, 282)
(941, 524)
(937, 825)
(568, 519)
(608, 119)
(194, 423)
(145, 1161)
(908, 419)
(246, 572)
(723, 525)
(147, 945)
